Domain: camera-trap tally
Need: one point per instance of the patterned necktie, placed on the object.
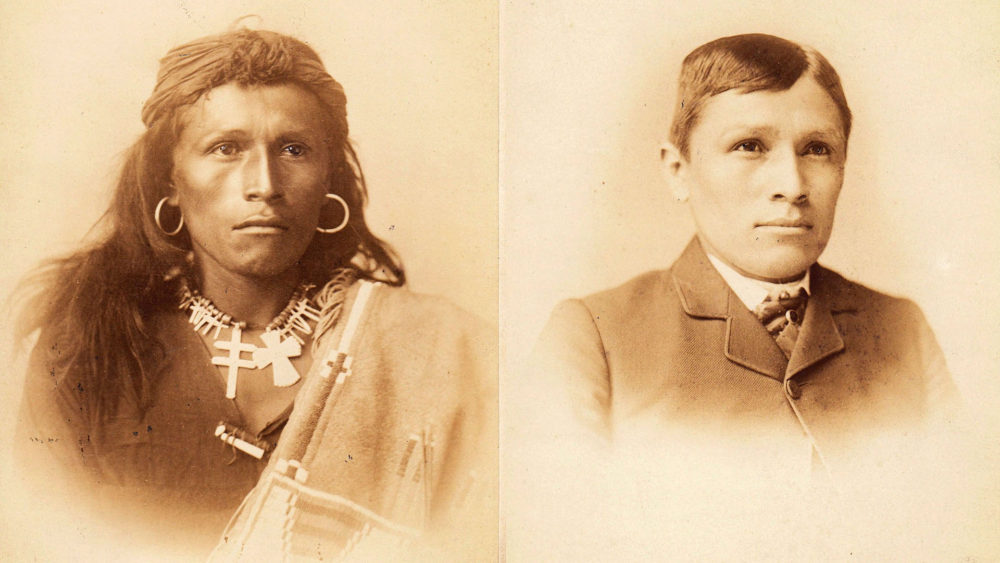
(782, 316)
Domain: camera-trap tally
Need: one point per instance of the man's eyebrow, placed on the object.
(827, 133)
(752, 130)
(749, 129)
(297, 133)
(221, 133)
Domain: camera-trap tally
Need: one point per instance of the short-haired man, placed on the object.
(746, 337)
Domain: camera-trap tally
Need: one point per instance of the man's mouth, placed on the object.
(786, 224)
(262, 224)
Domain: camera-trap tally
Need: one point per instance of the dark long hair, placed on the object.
(95, 303)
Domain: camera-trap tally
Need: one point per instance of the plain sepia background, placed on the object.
(588, 92)
(585, 92)
(421, 83)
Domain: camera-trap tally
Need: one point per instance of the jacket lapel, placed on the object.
(749, 344)
(819, 337)
(705, 295)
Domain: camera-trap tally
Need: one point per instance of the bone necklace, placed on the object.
(282, 339)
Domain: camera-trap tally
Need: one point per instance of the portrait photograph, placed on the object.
(251, 281)
(500, 281)
(751, 253)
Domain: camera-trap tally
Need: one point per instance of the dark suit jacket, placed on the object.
(679, 347)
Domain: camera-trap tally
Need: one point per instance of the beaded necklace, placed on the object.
(283, 337)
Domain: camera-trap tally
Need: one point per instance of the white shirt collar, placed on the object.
(753, 292)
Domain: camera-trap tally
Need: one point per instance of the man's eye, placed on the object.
(294, 150)
(748, 146)
(225, 149)
(817, 149)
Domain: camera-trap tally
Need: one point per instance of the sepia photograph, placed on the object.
(500, 281)
(752, 256)
(251, 283)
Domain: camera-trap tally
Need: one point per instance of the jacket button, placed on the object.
(793, 389)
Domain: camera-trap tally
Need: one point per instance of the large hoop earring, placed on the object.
(156, 217)
(347, 215)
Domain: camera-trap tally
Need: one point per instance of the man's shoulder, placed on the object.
(406, 306)
(863, 311)
(846, 295)
(416, 317)
(636, 292)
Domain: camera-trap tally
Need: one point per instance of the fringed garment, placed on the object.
(392, 439)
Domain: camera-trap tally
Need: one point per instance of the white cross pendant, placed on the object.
(277, 353)
(233, 360)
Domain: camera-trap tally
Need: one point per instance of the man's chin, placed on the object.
(784, 266)
(786, 274)
(263, 268)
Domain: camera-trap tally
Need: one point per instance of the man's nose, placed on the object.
(259, 181)
(786, 179)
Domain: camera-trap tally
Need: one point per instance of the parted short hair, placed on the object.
(748, 63)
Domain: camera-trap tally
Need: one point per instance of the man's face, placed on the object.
(763, 176)
(251, 171)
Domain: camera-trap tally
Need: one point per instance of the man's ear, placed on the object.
(674, 168)
(172, 198)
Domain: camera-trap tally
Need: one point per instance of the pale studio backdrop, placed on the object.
(588, 90)
(587, 97)
(421, 82)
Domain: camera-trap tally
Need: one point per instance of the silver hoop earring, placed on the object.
(156, 217)
(347, 215)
